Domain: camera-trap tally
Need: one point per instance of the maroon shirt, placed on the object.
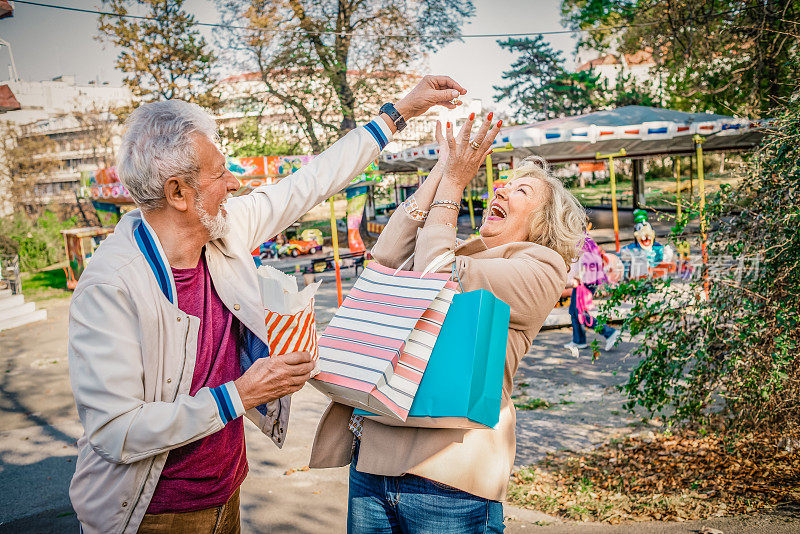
(205, 473)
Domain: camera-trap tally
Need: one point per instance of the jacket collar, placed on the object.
(470, 247)
(148, 243)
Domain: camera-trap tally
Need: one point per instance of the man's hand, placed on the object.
(274, 377)
(429, 92)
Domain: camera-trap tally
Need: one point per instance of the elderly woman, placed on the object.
(453, 480)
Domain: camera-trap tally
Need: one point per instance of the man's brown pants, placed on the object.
(218, 520)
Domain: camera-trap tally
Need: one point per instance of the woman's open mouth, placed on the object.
(496, 213)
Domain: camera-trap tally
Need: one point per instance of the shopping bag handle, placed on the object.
(458, 277)
(403, 264)
(439, 261)
(436, 263)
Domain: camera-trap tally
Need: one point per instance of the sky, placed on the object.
(48, 42)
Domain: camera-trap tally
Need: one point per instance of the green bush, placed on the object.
(39, 243)
(731, 359)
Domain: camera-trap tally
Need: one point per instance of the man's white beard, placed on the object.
(216, 226)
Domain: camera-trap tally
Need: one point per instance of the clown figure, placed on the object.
(644, 253)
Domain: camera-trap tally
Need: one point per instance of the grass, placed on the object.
(533, 403)
(523, 402)
(45, 284)
(659, 192)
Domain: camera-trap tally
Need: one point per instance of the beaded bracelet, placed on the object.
(453, 203)
(413, 210)
(448, 206)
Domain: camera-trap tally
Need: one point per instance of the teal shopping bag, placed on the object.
(462, 384)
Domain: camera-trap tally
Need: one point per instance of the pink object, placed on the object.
(592, 263)
(584, 303)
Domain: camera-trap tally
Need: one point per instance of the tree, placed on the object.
(38, 242)
(327, 63)
(99, 125)
(163, 56)
(26, 155)
(730, 357)
(725, 56)
(251, 138)
(627, 92)
(540, 88)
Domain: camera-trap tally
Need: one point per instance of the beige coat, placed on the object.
(529, 278)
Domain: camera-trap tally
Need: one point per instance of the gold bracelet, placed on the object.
(453, 203)
(448, 206)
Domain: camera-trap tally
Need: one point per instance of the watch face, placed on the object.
(389, 109)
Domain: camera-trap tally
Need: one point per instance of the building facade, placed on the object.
(73, 125)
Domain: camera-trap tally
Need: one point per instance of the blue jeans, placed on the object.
(578, 332)
(410, 504)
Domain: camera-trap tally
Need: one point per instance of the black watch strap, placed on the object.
(393, 114)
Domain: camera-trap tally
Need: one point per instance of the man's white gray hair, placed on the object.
(158, 145)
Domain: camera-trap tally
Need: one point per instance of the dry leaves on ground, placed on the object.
(294, 470)
(662, 477)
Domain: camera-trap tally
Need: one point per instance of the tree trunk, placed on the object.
(347, 100)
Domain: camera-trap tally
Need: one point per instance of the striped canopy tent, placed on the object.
(642, 131)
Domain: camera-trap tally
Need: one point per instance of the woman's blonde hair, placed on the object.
(560, 222)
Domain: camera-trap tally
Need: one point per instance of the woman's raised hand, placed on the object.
(465, 155)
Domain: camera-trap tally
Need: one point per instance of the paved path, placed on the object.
(38, 430)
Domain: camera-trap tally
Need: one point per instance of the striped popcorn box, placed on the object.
(291, 322)
(294, 332)
(374, 352)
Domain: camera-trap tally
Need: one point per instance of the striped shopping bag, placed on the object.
(374, 352)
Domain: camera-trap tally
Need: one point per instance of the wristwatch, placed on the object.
(393, 114)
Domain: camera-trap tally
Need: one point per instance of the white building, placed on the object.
(78, 119)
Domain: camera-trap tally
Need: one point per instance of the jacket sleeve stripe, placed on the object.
(146, 246)
(223, 403)
(237, 407)
(376, 132)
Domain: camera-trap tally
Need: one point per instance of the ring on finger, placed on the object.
(474, 145)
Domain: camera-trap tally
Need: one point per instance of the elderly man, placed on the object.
(169, 307)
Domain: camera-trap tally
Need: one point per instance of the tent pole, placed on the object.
(335, 238)
(639, 199)
(489, 172)
(471, 208)
(489, 180)
(698, 140)
(678, 195)
(610, 158)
